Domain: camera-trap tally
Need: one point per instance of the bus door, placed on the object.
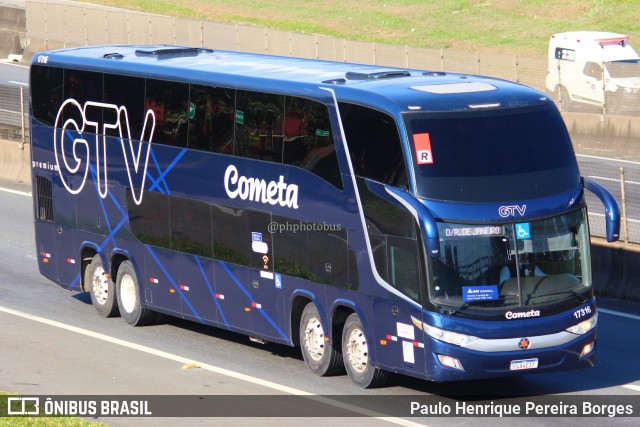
(244, 278)
(399, 337)
(262, 279)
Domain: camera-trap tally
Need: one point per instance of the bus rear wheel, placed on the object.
(101, 288)
(317, 349)
(356, 355)
(128, 293)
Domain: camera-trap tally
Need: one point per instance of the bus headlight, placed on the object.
(584, 327)
(448, 336)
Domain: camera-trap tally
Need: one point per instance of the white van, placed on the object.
(596, 68)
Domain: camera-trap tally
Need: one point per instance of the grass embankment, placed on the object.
(519, 27)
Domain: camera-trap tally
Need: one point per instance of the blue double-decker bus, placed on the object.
(381, 219)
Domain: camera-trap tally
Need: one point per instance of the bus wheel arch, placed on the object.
(320, 351)
(356, 353)
(129, 295)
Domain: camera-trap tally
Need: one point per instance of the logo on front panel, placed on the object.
(513, 210)
(524, 343)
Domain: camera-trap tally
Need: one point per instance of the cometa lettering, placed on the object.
(259, 190)
(522, 314)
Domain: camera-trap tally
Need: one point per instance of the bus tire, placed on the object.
(355, 351)
(320, 355)
(128, 293)
(101, 288)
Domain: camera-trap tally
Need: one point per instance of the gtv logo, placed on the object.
(507, 211)
(72, 130)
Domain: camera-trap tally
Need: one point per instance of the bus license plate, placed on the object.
(517, 365)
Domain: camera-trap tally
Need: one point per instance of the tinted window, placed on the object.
(169, 102)
(191, 229)
(308, 141)
(83, 86)
(127, 92)
(258, 130)
(46, 93)
(150, 220)
(374, 145)
(231, 235)
(489, 156)
(211, 118)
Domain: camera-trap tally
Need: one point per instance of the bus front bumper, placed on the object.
(452, 363)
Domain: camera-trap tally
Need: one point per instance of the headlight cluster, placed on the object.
(585, 326)
(448, 336)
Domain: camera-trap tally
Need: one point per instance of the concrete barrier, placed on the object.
(616, 269)
(12, 31)
(14, 162)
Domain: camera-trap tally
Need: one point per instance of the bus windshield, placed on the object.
(511, 265)
(485, 156)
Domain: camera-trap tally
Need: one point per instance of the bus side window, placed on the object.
(211, 119)
(374, 145)
(83, 86)
(150, 220)
(169, 102)
(46, 93)
(127, 92)
(308, 141)
(190, 225)
(258, 126)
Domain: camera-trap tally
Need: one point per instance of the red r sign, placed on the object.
(422, 144)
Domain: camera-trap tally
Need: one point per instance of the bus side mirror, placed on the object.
(426, 222)
(611, 209)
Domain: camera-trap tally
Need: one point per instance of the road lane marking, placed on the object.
(604, 178)
(222, 371)
(618, 313)
(607, 158)
(602, 215)
(21, 193)
(14, 64)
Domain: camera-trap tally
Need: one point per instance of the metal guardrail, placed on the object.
(14, 113)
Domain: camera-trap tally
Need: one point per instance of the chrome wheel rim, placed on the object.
(314, 339)
(357, 350)
(128, 293)
(100, 286)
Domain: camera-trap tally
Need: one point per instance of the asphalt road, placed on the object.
(12, 74)
(53, 342)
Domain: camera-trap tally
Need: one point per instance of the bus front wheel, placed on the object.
(317, 350)
(101, 288)
(128, 293)
(356, 355)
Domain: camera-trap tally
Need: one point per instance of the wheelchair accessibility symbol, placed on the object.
(522, 231)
